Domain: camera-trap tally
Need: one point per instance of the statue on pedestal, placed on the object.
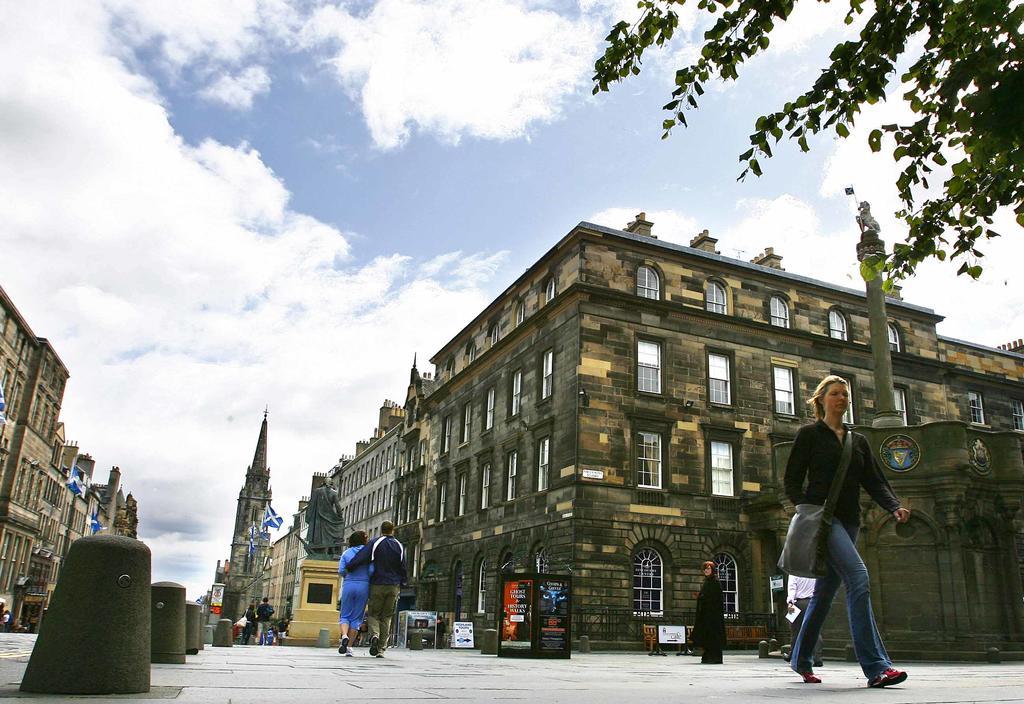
(324, 525)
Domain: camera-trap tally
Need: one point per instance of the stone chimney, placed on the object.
(769, 259)
(641, 226)
(391, 414)
(704, 242)
(361, 446)
(896, 293)
(1013, 346)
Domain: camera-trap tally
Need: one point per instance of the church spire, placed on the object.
(259, 460)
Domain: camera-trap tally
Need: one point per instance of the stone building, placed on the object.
(622, 409)
(246, 573)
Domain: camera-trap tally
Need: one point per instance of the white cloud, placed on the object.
(508, 66)
(184, 293)
(238, 90)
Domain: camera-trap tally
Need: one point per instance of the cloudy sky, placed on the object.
(213, 207)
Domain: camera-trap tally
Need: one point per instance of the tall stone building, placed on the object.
(244, 581)
(622, 411)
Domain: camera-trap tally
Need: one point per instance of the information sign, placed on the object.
(553, 614)
(462, 634)
(516, 621)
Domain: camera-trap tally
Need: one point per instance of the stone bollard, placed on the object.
(193, 643)
(168, 614)
(222, 636)
(992, 655)
(208, 630)
(414, 641)
(97, 634)
(324, 639)
(489, 642)
(773, 645)
(584, 646)
(762, 649)
(786, 650)
(851, 654)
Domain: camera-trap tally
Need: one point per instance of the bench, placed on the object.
(745, 635)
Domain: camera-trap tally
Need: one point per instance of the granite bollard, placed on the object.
(489, 642)
(762, 649)
(222, 635)
(584, 646)
(168, 630)
(97, 633)
(323, 639)
(193, 641)
(208, 630)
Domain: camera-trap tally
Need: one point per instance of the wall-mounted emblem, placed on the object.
(900, 453)
(980, 457)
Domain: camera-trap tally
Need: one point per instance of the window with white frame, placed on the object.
(785, 399)
(1017, 411)
(899, 400)
(419, 504)
(778, 312)
(647, 283)
(728, 579)
(511, 469)
(549, 290)
(894, 338)
(442, 499)
(520, 313)
(977, 406)
(548, 374)
(540, 560)
(837, 325)
(722, 475)
(848, 417)
(719, 387)
(481, 588)
(489, 410)
(714, 297)
(648, 460)
(446, 434)
(493, 334)
(471, 352)
(485, 485)
(648, 366)
(516, 392)
(462, 495)
(648, 584)
(467, 422)
(543, 463)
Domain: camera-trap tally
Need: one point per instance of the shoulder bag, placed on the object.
(805, 553)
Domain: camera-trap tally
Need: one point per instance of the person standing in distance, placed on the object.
(800, 591)
(387, 556)
(813, 461)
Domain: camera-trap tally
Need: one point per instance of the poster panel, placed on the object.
(516, 617)
(553, 600)
(462, 634)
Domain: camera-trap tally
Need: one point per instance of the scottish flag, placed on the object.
(94, 522)
(3, 405)
(252, 540)
(271, 519)
(78, 482)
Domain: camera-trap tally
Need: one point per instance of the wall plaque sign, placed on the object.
(900, 453)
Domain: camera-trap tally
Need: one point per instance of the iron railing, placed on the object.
(626, 625)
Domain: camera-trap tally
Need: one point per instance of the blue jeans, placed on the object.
(844, 566)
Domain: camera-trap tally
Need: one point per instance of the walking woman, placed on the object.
(709, 624)
(354, 591)
(813, 462)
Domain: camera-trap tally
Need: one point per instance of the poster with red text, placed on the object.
(516, 617)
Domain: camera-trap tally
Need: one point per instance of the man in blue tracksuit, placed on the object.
(388, 558)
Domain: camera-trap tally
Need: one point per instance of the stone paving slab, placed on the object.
(252, 675)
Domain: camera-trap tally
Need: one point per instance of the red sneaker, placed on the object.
(888, 678)
(810, 677)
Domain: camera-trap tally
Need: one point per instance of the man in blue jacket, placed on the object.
(388, 558)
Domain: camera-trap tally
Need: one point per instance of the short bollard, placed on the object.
(193, 642)
(415, 641)
(489, 642)
(762, 649)
(208, 630)
(168, 614)
(851, 654)
(786, 650)
(222, 635)
(992, 655)
(323, 640)
(773, 645)
(96, 639)
(584, 644)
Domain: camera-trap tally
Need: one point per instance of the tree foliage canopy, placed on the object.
(966, 90)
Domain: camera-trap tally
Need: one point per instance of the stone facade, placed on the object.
(643, 391)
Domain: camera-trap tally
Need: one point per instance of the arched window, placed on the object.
(894, 338)
(549, 290)
(470, 351)
(714, 297)
(449, 368)
(540, 560)
(837, 325)
(648, 585)
(779, 312)
(508, 563)
(481, 588)
(647, 283)
(520, 313)
(493, 334)
(725, 568)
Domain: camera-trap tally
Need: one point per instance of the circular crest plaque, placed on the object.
(900, 453)
(980, 457)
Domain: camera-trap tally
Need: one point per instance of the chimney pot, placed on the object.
(641, 226)
(704, 242)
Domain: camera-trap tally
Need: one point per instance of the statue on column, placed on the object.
(865, 219)
(324, 525)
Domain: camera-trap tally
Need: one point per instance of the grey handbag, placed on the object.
(805, 553)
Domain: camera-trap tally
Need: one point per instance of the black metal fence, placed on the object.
(627, 626)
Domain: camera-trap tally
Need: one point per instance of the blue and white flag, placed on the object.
(94, 522)
(271, 519)
(3, 405)
(252, 540)
(78, 482)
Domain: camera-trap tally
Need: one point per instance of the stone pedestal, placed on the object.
(318, 603)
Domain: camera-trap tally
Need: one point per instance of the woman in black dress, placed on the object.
(709, 625)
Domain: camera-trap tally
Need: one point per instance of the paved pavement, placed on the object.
(251, 675)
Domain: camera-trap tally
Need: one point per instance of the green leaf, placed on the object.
(875, 140)
(841, 130)
(755, 167)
